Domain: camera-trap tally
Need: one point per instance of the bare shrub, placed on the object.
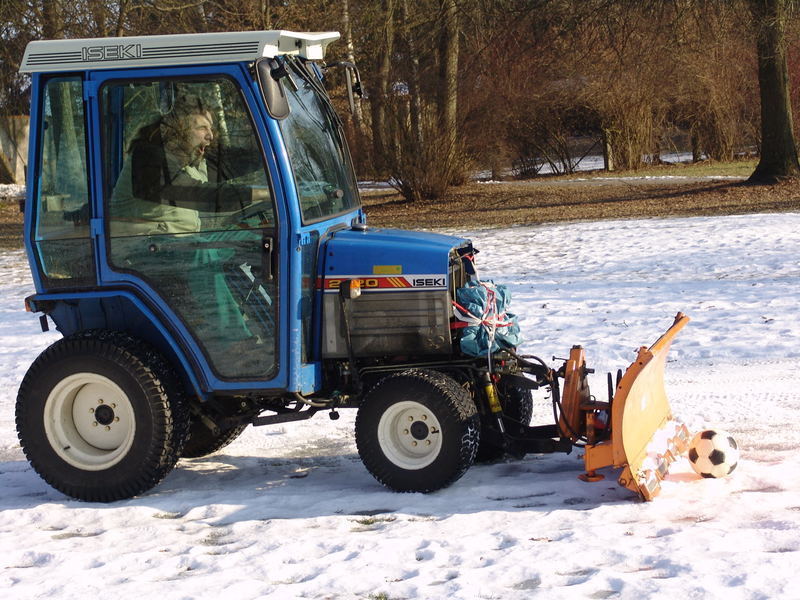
(714, 97)
(632, 124)
(423, 169)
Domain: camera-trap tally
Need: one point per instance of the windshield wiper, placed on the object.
(302, 69)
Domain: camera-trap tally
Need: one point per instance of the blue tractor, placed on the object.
(195, 233)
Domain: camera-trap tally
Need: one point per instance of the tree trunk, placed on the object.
(608, 151)
(448, 97)
(778, 149)
(379, 99)
(6, 170)
(358, 117)
(266, 15)
(414, 80)
(122, 15)
(52, 20)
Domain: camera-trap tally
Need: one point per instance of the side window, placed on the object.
(61, 232)
(180, 156)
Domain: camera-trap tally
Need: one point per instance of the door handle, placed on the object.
(268, 246)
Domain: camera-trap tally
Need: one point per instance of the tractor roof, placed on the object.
(164, 50)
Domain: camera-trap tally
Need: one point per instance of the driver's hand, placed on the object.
(259, 194)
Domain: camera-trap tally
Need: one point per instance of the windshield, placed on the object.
(313, 136)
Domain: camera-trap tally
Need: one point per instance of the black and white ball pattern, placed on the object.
(713, 453)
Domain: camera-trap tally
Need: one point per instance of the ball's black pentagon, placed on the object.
(708, 434)
(693, 456)
(732, 467)
(732, 443)
(707, 475)
(717, 457)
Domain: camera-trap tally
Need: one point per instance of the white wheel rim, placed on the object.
(410, 435)
(89, 421)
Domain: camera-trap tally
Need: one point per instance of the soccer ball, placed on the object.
(713, 453)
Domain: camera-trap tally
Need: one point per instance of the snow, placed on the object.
(289, 512)
(10, 190)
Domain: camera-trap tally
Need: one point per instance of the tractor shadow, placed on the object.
(318, 486)
(309, 485)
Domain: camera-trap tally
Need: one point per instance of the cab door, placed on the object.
(195, 237)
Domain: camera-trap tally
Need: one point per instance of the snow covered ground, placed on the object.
(10, 190)
(289, 512)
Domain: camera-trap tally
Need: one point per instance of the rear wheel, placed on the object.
(101, 416)
(417, 431)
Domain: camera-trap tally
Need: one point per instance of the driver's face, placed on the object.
(200, 134)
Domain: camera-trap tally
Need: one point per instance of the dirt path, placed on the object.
(543, 201)
(517, 203)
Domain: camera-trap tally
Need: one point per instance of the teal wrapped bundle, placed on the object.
(489, 328)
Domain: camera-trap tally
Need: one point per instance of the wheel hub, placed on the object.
(104, 414)
(410, 435)
(89, 421)
(419, 430)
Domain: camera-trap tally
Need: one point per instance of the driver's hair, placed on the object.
(174, 123)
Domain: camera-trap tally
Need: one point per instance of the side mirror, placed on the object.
(353, 79)
(271, 87)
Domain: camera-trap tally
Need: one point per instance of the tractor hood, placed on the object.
(389, 258)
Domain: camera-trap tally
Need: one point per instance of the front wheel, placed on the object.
(517, 404)
(101, 416)
(417, 431)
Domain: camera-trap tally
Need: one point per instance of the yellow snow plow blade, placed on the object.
(644, 439)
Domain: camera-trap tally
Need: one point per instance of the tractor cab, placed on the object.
(181, 187)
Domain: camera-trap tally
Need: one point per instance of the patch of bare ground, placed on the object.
(543, 201)
(517, 203)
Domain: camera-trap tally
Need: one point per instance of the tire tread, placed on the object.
(459, 411)
(165, 400)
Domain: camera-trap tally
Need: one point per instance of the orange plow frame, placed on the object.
(644, 440)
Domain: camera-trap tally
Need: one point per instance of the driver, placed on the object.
(170, 176)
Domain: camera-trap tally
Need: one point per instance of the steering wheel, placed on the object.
(262, 208)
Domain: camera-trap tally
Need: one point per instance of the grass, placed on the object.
(707, 168)
(583, 196)
(589, 196)
(369, 521)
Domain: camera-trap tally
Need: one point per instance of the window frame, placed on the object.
(113, 274)
(302, 69)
